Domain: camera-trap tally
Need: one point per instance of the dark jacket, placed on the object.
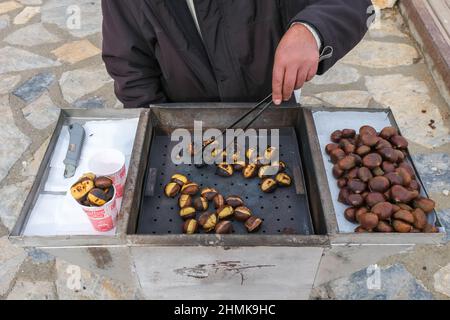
(154, 53)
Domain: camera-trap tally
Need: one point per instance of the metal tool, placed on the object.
(77, 135)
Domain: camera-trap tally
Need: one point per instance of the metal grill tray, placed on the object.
(286, 208)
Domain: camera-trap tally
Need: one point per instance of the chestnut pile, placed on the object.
(377, 182)
(217, 219)
(92, 191)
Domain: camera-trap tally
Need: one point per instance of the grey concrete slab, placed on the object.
(218, 273)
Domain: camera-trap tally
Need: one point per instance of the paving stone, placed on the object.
(339, 74)
(390, 24)
(31, 2)
(90, 103)
(4, 21)
(76, 283)
(11, 257)
(13, 59)
(12, 198)
(81, 18)
(434, 170)
(346, 99)
(395, 283)
(32, 290)
(76, 51)
(444, 218)
(442, 280)
(42, 112)
(26, 15)
(31, 166)
(12, 141)
(412, 108)
(39, 256)
(32, 35)
(31, 89)
(310, 101)
(8, 6)
(78, 83)
(383, 4)
(377, 54)
(7, 83)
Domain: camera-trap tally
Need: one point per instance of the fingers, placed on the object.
(290, 79)
(312, 72)
(301, 78)
(277, 83)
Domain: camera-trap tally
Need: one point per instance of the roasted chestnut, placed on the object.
(239, 165)
(234, 201)
(208, 193)
(224, 170)
(225, 212)
(283, 180)
(208, 221)
(190, 188)
(190, 226)
(81, 188)
(103, 182)
(201, 204)
(97, 197)
(187, 213)
(271, 153)
(267, 171)
(253, 224)
(250, 171)
(184, 201)
(171, 190)
(242, 214)
(180, 179)
(224, 227)
(269, 185)
(219, 201)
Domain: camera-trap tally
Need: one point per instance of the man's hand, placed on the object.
(296, 61)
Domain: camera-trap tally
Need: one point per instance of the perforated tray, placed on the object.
(285, 209)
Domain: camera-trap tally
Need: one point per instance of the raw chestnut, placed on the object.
(103, 182)
(184, 201)
(190, 226)
(427, 205)
(368, 130)
(383, 210)
(348, 133)
(336, 136)
(209, 193)
(250, 171)
(372, 161)
(187, 213)
(337, 171)
(387, 167)
(224, 170)
(388, 154)
(283, 180)
(171, 190)
(201, 204)
(414, 185)
(379, 184)
(358, 159)
(242, 214)
(343, 195)
(347, 163)
(388, 132)
(190, 188)
(399, 142)
(234, 201)
(408, 168)
(406, 177)
(342, 183)
(404, 206)
(363, 151)
(356, 186)
(359, 212)
(401, 227)
(394, 178)
(208, 221)
(430, 229)
(225, 212)
(355, 200)
(403, 195)
(179, 179)
(400, 156)
(336, 155)
(420, 219)
(364, 174)
(97, 197)
(369, 221)
(374, 198)
(269, 185)
(360, 230)
(350, 214)
(405, 216)
(224, 227)
(369, 140)
(383, 144)
(378, 172)
(384, 227)
(253, 224)
(219, 201)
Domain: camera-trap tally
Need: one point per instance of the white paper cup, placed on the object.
(110, 163)
(103, 218)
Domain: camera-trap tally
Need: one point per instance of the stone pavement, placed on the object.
(49, 61)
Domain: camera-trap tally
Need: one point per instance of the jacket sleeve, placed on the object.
(341, 25)
(128, 56)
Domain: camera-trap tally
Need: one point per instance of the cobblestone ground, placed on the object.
(46, 66)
